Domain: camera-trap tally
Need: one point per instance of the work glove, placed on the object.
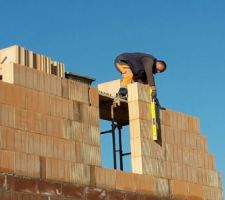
(122, 92)
(154, 95)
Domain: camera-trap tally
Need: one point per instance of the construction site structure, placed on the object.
(50, 139)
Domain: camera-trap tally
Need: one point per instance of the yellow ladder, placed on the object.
(153, 116)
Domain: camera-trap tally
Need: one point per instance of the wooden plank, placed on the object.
(111, 87)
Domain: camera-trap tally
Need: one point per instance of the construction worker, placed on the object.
(138, 67)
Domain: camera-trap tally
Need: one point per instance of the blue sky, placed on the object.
(87, 35)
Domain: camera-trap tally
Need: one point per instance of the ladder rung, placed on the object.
(104, 132)
(126, 154)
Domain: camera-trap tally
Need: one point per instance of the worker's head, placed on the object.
(160, 66)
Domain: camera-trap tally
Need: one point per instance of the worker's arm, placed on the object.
(154, 92)
(148, 66)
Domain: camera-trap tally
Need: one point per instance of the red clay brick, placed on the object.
(118, 195)
(43, 103)
(184, 122)
(21, 141)
(61, 149)
(193, 141)
(94, 193)
(94, 135)
(162, 187)
(34, 143)
(103, 178)
(220, 179)
(21, 119)
(133, 196)
(7, 138)
(177, 171)
(125, 181)
(34, 122)
(67, 150)
(17, 196)
(7, 161)
(195, 191)
(2, 92)
(168, 170)
(53, 85)
(78, 156)
(56, 126)
(84, 112)
(49, 147)
(67, 109)
(58, 198)
(173, 119)
(49, 188)
(57, 169)
(24, 196)
(42, 167)
(49, 125)
(78, 91)
(165, 117)
(43, 145)
(40, 80)
(21, 95)
(7, 115)
(5, 195)
(91, 154)
(22, 185)
(47, 82)
(58, 86)
(211, 160)
(93, 97)
(147, 197)
(10, 94)
(27, 165)
(29, 78)
(2, 181)
(20, 164)
(93, 115)
(144, 183)
(55, 106)
(80, 173)
(76, 111)
(179, 189)
(65, 88)
(177, 138)
(21, 101)
(32, 100)
(71, 190)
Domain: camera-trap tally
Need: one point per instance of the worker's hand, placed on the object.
(154, 94)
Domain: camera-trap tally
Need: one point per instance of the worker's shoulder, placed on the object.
(135, 54)
(144, 55)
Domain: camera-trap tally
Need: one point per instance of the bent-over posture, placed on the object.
(138, 67)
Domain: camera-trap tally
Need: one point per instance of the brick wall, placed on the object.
(22, 188)
(50, 143)
(49, 129)
(182, 154)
